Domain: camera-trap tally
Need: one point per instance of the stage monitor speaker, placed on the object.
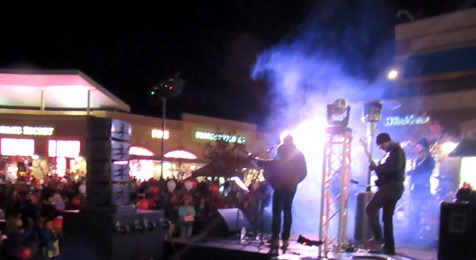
(362, 230)
(457, 231)
(228, 222)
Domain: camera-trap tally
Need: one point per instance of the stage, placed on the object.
(231, 248)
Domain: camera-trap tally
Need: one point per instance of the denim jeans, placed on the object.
(282, 202)
(385, 198)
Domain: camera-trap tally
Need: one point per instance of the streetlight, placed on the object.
(169, 88)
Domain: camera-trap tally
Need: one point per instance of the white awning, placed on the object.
(64, 89)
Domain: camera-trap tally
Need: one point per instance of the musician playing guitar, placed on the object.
(391, 175)
(284, 173)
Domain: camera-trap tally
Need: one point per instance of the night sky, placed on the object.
(128, 48)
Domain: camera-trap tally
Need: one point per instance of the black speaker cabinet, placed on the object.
(228, 222)
(105, 128)
(108, 180)
(103, 235)
(362, 230)
(108, 194)
(457, 238)
(104, 171)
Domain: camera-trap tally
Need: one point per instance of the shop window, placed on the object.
(64, 148)
(17, 147)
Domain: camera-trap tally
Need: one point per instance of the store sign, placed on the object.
(406, 120)
(158, 134)
(26, 130)
(214, 136)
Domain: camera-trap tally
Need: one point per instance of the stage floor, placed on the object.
(203, 247)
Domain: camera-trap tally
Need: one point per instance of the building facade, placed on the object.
(45, 136)
(436, 58)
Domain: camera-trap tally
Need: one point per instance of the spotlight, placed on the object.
(372, 111)
(340, 108)
(308, 242)
(392, 74)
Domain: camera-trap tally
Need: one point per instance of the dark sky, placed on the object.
(127, 48)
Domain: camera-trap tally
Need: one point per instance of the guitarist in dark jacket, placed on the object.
(284, 172)
(391, 175)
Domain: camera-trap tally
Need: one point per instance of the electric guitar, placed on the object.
(369, 156)
(364, 145)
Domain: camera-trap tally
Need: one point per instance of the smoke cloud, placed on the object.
(341, 50)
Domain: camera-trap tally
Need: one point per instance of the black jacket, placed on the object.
(286, 170)
(420, 175)
(392, 167)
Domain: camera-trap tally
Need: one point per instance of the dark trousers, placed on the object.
(385, 198)
(282, 202)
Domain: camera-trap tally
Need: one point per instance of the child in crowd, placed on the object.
(187, 214)
(49, 240)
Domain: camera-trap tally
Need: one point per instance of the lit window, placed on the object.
(63, 148)
(21, 147)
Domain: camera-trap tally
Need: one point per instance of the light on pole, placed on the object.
(169, 88)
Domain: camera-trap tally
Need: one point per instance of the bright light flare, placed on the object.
(448, 147)
(309, 137)
(284, 134)
(392, 74)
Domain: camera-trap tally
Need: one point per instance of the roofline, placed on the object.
(105, 91)
(123, 106)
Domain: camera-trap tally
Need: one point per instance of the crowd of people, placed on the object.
(190, 206)
(32, 217)
(32, 213)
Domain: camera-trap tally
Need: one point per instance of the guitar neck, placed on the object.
(364, 145)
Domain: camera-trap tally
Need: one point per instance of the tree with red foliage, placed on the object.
(227, 159)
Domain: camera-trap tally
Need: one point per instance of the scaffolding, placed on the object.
(335, 188)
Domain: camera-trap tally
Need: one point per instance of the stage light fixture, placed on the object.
(169, 88)
(372, 112)
(338, 113)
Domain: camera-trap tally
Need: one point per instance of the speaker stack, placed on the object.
(227, 222)
(108, 226)
(107, 155)
(457, 231)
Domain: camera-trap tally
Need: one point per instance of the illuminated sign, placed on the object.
(26, 130)
(406, 120)
(214, 136)
(158, 134)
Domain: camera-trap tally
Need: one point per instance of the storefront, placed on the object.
(43, 134)
(41, 145)
(185, 142)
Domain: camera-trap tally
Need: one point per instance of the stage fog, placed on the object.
(338, 52)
